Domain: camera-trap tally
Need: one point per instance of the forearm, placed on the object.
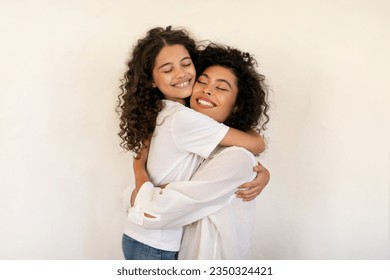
(178, 207)
(250, 140)
(141, 176)
(258, 142)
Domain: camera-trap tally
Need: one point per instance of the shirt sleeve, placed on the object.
(145, 195)
(197, 133)
(211, 188)
(125, 199)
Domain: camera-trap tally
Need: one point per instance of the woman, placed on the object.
(219, 226)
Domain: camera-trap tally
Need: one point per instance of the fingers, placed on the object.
(250, 185)
(251, 190)
(247, 194)
(258, 168)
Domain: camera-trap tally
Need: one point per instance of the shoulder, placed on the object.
(229, 164)
(169, 110)
(178, 109)
(187, 117)
(172, 106)
(181, 110)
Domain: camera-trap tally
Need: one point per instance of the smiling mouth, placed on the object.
(205, 103)
(183, 84)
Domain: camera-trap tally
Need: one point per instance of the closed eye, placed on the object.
(186, 61)
(201, 82)
(223, 89)
(166, 68)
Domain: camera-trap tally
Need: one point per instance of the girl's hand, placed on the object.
(251, 190)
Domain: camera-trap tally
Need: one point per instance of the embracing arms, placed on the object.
(251, 140)
(211, 188)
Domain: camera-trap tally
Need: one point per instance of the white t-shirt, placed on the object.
(182, 138)
(219, 225)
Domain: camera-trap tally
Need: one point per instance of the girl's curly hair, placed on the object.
(251, 104)
(139, 103)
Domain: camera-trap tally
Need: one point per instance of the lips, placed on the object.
(182, 84)
(205, 103)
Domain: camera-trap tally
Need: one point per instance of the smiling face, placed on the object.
(174, 73)
(215, 93)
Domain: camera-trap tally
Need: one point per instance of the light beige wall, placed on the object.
(62, 170)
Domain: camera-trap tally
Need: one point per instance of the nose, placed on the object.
(180, 72)
(207, 90)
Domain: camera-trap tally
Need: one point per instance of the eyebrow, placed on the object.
(218, 80)
(169, 63)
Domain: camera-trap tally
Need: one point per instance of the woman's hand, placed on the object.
(251, 190)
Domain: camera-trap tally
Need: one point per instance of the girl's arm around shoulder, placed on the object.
(251, 140)
(192, 127)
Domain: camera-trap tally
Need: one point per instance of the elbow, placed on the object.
(260, 147)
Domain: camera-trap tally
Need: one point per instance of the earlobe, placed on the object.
(153, 84)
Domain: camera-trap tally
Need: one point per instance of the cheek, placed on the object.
(229, 103)
(228, 107)
(192, 99)
(193, 71)
(196, 92)
(161, 81)
(196, 88)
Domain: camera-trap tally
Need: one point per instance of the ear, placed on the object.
(153, 84)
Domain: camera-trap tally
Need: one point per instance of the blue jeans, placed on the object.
(135, 250)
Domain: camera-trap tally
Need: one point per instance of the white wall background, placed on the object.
(62, 169)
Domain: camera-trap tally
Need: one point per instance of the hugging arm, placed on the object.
(139, 167)
(251, 190)
(200, 134)
(252, 141)
(211, 188)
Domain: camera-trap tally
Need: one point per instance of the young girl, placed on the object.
(160, 76)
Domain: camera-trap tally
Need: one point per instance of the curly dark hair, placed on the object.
(251, 104)
(139, 103)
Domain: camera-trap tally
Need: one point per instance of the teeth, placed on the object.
(184, 84)
(205, 103)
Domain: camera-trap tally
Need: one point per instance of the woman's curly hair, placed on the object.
(139, 103)
(251, 104)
